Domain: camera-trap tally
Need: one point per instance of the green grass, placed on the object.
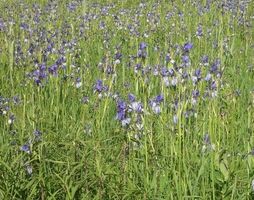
(84, 152)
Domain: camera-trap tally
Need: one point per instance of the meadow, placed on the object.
(126, 99)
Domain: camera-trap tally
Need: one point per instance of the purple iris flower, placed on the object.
(78, 82)
(142, 46)
(121, 110)
(25, 148)
(195, 93)
(16, 100)
(168, 58)
(118, 56)
(205, 60)
(187, 47)
(37, 133)
(142, 53)
(136, 106)
(138, 67)
(185, 75)
(185, 59)
(142, 50)
(155, 104)
(121, 105)
(199, 31)
(11, 119)
(197, 76)
(39, 74)
(197, 73)
(53, 69)
(122, 113)
(24, 26)
(156, 109)
(215, 66)
(159, 98)
(213, 85)
(208, 77)
(42, 67)
(98, 87)
(131, 97)
(171, 72)
(61, 60)
(164, 71)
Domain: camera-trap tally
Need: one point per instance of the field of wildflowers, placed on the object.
(127, 99)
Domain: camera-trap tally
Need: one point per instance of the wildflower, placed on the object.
(53, 69)
(122, 113)
(16, 100)
(118, 58)
(136, 106)
(185, 75)
(171, 72)
(155, 104)
(142, 54)
(215, 66)
(186, 59)
(131, 97)
(187, 47)
(78, 83)
(197, 73)
(164, 72)
(60, 60)
(208, 77)
(142, 46)
(142, 50)
(195, 93)
(11, 119)
(39, 74)
(159, 98)
(213, 85)
(98, 86)
(37, 133)
(138, 67)
(205, 60)
(199, 31)
(156, 108)
(168, 58)
(121, 110)
(4, 110)
(110, 70)
(25, 148)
